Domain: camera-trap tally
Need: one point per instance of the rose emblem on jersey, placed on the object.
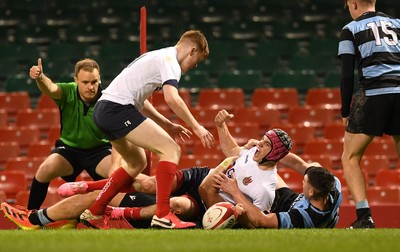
(247, 180)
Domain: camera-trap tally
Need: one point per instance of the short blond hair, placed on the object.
(87, 65)
(198, 38)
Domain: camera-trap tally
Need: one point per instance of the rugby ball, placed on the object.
(220, 215)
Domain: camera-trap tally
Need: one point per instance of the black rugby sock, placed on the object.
(40, 217)
(37, 194)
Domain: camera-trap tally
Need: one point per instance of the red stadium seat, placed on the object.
(328, 98)
(54, 133)
(40, 148)
(205, 116)
(388, 178)
(282, 99)
(55, 184)
(311, 117)
(262, 116)
(372, 165)
(52, 198)
(28, 165)
(229, 98)
(14, 101)
(340, 175)
(198, 149)
(334, 131)
(347, 198)
(3, 118)
(293, 179)
(382, 195)
(22, 198)
(45, 102)
(323, 160)
(242, 132)
(8, 150)
(43, 119)
(299, 134)
(330, 147)
(24, 136)
(3, 196)
(11, 182)
(383, 147)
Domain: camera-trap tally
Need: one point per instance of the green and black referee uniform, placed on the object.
(80, 142)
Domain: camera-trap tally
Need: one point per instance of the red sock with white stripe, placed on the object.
(119, 179)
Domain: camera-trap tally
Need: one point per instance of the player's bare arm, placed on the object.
(179, 107)
(296, 163)
(44, 83)
(228, 144)
(250, 215)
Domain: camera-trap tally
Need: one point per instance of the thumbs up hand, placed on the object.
(36, 71)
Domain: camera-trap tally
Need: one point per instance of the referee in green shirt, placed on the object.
(81, 146)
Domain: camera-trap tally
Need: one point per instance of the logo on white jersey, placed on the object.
(229, 172)
(247, 180)
(127, 123)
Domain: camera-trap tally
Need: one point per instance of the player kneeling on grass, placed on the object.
(317, 207)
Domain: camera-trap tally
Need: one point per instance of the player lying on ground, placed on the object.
(186, 181)
(255, 168)
(255, 161)
(321, 184)
(138, 208)
(316, 207)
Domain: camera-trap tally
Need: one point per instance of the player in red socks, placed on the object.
(121, 114)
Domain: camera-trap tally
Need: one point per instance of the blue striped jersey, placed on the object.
(302, 214)
(373, 39)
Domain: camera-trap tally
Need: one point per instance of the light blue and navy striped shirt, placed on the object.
(302, 214)
(373, 39)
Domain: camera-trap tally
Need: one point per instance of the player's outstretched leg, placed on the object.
(19, 217)
(72, 188)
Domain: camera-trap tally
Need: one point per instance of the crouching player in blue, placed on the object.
(317, 207)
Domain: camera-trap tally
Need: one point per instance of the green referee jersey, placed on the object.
(78, 129)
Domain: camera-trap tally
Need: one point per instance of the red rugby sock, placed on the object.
(132, 213)
(165, 174)
(119, 179)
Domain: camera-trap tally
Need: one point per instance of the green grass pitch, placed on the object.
(89, 240)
